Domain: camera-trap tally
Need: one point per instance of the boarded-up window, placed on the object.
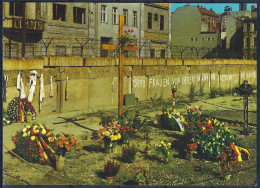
(29, 51)
(162, 53)
(12, 52)
(76, 51)
(61, 50)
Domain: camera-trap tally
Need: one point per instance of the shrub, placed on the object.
(111, 168)
(192, 92)
(213, 92)
(221, 92)
(129, 153)
(202, 88)
(167, 120)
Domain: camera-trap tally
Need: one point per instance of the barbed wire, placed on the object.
(216, 104)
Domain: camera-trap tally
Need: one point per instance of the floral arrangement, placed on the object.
(164, 149)
(17, 109)
(209, 136)
(126, 39)
(111, 168)
(65, 143)
(141, 177)
(110, 132)
(36, 143)
(167, 120)
(127, 128)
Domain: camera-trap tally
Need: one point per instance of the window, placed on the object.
(203, 39)
(155, 17)
(60, 50)
(150, 19)
(162, 53)
(59, 12)
(255, 42)
(196, 39)
(204, 19)
(208, 39)
(103, 13)
(161, 22)
(125, 12)
(191, 49)
(79, 15)
(213, 39)
(191, 39)
(254, 25)
(134, 19)
(15, 9)
(115, 15)
(248, 42)
(152, 53)
(76, 51)
(248, 27)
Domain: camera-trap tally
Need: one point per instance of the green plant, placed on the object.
(213, 92)
(129, 153)
(111, 168)
(141, 177)
(221, 92)
(192, 92)
(104, 118)
(95, 135)
(202, 89)
(163, 148)
(126, 121)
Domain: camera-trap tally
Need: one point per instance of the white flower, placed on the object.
(32, 138)
(24, 130)
(24, 134)
(43, 131)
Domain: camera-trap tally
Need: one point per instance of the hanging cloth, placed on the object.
(32, 85)
(22, 92)
(51, 87)
(66, 88)
(18, 85)
(42, 95)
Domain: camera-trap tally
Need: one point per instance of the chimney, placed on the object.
(252, 8)
(188, 4)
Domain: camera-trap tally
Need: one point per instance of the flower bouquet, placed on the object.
(126, 40)
(172, 120)
(110, 134)
(163, 149)
(127, 129)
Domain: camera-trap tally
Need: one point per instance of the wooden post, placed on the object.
(23, 30)
(245, 107)
(120, 69)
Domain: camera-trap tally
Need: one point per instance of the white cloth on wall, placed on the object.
(32, 85)
(18, 85)
(51, 87)
(42, 94)
(22, 94)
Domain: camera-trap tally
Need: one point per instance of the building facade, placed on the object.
(79, 29)
(232, 33)
(195, 32)
(155, 30)
(250, 36)
(44, 29)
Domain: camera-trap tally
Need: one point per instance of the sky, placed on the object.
(217, 7)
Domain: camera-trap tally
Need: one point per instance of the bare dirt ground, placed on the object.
(85, 166)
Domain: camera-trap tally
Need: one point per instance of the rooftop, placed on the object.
(207, 12)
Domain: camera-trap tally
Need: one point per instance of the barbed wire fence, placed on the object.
(88, 47)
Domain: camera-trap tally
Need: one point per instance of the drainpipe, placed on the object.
(23, 30)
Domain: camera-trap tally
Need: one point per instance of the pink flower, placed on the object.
(132, 31)
(125, 31)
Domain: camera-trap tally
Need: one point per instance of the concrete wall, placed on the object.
(93, 82)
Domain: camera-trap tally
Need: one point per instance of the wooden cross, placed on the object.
(121, 63)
